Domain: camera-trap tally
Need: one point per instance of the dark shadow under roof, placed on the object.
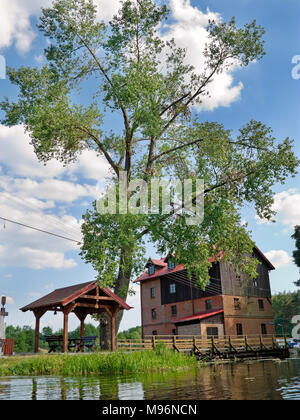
(65, 295)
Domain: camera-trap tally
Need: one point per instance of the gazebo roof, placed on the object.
(64, 296)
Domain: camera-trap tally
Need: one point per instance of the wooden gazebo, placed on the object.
(81, 299)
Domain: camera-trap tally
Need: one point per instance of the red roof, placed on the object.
(165, 270)
(201, 315)
(66, 295)
(162, 271)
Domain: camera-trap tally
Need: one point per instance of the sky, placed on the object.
(54, 197)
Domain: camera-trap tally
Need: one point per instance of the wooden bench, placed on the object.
(54, 341)
(75, 344)
(88, 342)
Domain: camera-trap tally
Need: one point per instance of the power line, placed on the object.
(23, 202)
(41, 230)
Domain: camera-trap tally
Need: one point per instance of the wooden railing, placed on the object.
(207, 344)
(7, 346)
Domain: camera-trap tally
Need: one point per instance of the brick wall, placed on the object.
(249, 315)
(164, 322)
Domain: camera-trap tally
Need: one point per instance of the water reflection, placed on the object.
(264, 380)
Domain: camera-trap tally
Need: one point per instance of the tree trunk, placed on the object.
(122, 285)
(104, 327)
(121, 290)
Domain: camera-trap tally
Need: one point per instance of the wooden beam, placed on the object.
(81, 316)
(113, 333)
(97, 297)
(38, 314)
(66, 312)
(65, 333)
(85, 305)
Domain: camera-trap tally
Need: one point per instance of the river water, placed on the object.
(255, 380)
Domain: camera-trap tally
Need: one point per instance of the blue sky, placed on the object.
(54, 197)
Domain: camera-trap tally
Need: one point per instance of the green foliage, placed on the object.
(296, 253)
(24, 336)
(98, 363)
(152, 91)
(134, 333)
(285, 306)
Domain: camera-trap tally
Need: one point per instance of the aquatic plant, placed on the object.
(159, 359)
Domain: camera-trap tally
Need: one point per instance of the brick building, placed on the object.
(231, 304)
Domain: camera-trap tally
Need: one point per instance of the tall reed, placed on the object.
(97, 363)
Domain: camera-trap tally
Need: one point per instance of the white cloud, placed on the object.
(15, 25)
(279, 258)
(287, 208)
(29, 191)
(16, 28)
(9, 300)
(106, 9)
(189, 32)
(17, 154)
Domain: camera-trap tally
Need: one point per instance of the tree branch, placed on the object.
(102, 149)
(175, 148)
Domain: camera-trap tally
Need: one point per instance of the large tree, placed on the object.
(296, 253)
(128, 71)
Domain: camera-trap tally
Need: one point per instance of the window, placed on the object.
(208, 304)
(152, 290)
(153, 313)
(174, 310)
(172, 288)
(236, 303)
(171, 264)
(238, 280)
(212, 332)
(151, 269)
(239, 329)
(261, 304)
(154, 332)
(263, 329)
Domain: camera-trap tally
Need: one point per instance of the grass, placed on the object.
(161, 359)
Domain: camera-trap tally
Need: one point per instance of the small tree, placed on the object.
(296, 254)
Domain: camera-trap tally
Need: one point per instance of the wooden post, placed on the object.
(153, 342)
(38, 315)
(81, 315)
(194, 343)
(175, 343)
(65, 333)
(66, 311)
(113, 332)
(260, 342)
(82, 328)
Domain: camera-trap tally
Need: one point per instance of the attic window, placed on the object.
(172, 288)
(151, 269)
(171, 264)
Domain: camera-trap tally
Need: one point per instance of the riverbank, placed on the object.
(161, 359)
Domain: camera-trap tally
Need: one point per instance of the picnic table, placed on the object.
(81, 344)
